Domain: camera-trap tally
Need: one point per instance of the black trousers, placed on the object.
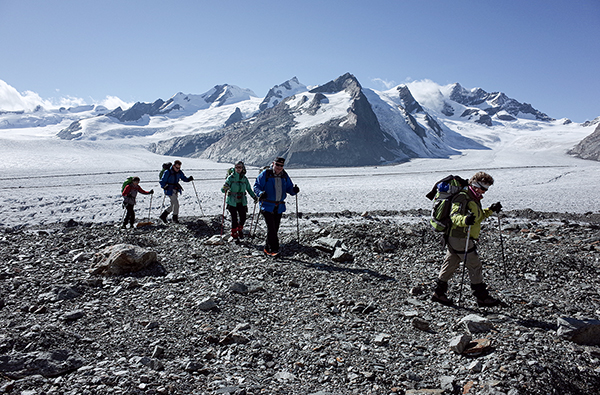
(272, 220)
(237, 211)
(130, 216)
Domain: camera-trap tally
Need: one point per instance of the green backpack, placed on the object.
(165, 166)
(442, 195)
(128, 181)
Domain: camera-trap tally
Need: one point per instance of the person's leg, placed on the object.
(271, 240)
(234, 221)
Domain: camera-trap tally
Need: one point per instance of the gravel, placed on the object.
(225, 319)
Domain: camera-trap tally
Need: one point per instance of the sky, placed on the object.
(542, 52)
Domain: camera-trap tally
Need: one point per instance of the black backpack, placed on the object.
(442, 194)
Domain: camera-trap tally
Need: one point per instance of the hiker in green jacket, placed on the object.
(466, 215)
(235, 187)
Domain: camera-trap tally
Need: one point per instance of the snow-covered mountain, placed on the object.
(339, 123)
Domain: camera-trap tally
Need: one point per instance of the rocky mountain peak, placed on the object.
(346, 82)
(279, 92)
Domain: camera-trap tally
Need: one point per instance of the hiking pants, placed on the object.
(235, 211)
(455, 254)
(174, 207)
(130, 216)
(272, 220)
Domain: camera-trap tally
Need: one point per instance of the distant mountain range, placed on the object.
(338, 123)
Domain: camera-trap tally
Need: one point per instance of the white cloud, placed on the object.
(427, 93)
(12, 100)
(385, 84)
(112, 102)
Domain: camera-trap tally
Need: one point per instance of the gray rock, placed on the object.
(122, 259)
(339, 255)
(459, 343)
(477, 324)
(579, 331)
(48, 364)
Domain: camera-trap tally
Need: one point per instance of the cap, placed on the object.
(280, 160)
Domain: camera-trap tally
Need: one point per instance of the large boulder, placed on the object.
(122, 259)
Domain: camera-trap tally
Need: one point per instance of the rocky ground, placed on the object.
(219, 319)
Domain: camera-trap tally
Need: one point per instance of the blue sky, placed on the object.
(543, 52)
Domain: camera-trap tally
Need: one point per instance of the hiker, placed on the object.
(130, 193)
(170, 183)
(272, 186)
(235, 187)
(466, 210)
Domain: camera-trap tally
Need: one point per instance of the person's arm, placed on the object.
(127, 190)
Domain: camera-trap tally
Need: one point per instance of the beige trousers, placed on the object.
(455, 254)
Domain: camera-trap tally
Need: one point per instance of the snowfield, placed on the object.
(46, 180)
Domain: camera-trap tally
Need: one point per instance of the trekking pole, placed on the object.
(255, 225)
(150, 208)
(163, 203)
(502, 248)
(197, 198)
(297, 221)
(464, 265)
(223, 216)
(253, 218)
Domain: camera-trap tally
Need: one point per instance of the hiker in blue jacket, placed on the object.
(272, 186)
(170, 183)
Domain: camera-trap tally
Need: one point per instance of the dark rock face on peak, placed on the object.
(589, 147)
(408, 100)
(279, 92)
(346, 82)
(136, 112)
(493, 103)
(235, 117)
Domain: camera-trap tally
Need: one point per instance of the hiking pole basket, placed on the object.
(197, 198)
(462, 280)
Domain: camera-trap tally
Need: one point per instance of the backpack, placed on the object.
(165, 166)
(125, 183)
(442, 194)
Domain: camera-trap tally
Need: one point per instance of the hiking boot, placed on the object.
(176, 219)
(240, 232)
(234, 233)
(163, 216)
(483, 296)
(439, 293)
(271, 253)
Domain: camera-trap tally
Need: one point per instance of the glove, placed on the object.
(470, 220)
(296, 189)
(496, 207)
(225, 187)
(152, 192)
(262, 196)
(255, 198)
(191, 178)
